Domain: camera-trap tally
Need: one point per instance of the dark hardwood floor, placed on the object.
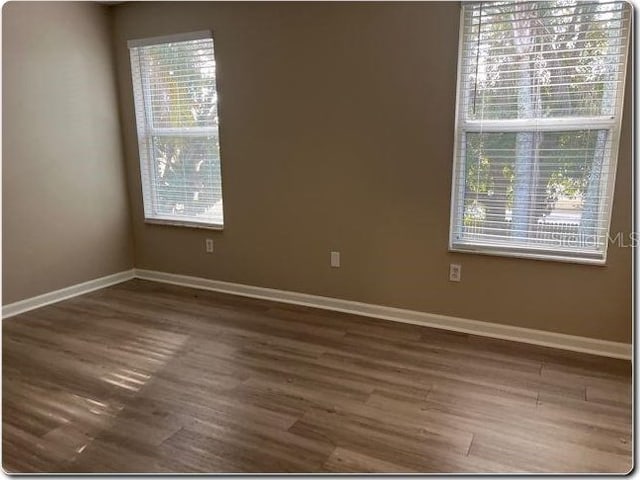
(144, 377)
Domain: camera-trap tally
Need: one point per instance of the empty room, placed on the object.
(317, 237)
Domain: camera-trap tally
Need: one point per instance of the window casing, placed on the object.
(539, 105)
(176, 105)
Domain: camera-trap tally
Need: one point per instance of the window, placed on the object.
(174, 86)
(539, 105)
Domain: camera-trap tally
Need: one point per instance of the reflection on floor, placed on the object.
(144, 377)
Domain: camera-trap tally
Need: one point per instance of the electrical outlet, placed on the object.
(208, 245)
(455, 272)
(335, 259)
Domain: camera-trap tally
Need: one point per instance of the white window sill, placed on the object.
(514, 253)
(184, 223)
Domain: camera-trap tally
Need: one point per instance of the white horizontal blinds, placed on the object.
(569, 54)
(540, 93)
(177, 117)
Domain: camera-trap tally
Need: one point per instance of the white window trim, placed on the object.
(147, 131)
(178, 222)
(613, 124)
(178, 37)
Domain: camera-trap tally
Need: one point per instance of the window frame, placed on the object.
(463, 126)
(147, 131)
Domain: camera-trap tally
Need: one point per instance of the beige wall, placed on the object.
(337, 134)
(65, 212)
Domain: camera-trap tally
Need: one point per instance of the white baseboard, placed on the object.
(64, 293)
(494, 330)
(486, 329)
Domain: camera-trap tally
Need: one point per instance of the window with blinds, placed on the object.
(174, 86)
(539, 106)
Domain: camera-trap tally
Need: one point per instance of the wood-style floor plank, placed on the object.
(146, 377)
